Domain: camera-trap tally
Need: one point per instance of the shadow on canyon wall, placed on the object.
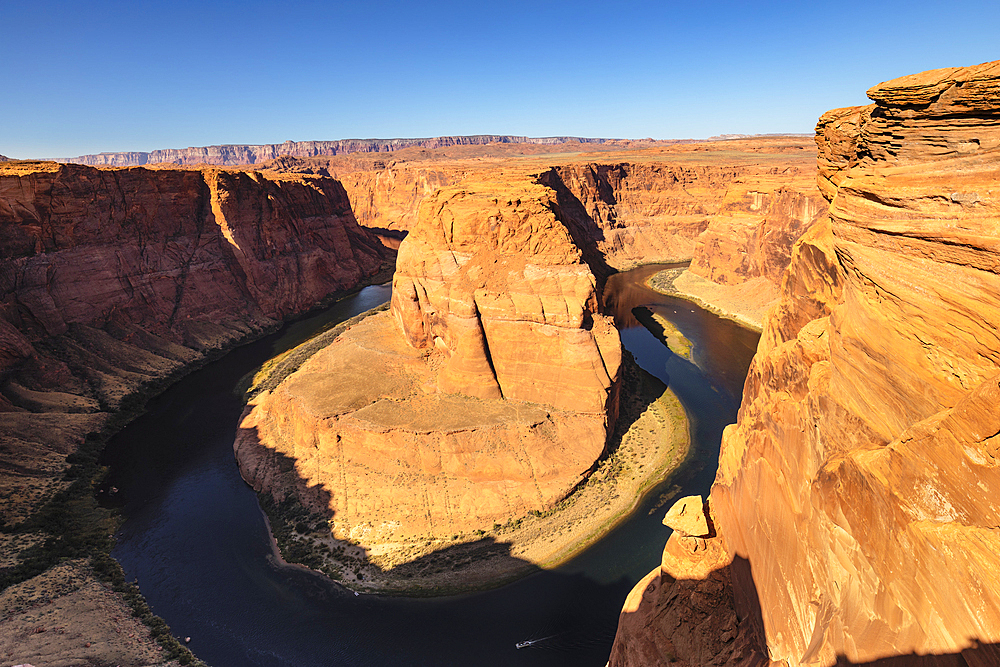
(583, 229)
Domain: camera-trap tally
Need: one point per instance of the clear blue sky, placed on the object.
(86, 77)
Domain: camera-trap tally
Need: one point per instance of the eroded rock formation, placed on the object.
(112, 280)
(733, 208)
(499, 284)
(682, 613)
(487, 392)
(860, 481)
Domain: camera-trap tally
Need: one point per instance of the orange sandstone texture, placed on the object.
(487, 392)
(494, 279)
(861, 479)
(855, 498)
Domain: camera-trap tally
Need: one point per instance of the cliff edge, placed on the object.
(856, 494)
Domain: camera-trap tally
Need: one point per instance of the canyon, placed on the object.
(113, 284)
(853, 514)
(497, 292)
(120, 279)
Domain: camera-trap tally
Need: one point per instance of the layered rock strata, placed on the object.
(486, 393)
(111, 283)
(113, 280)
(736, 222)
(859, 482)
(242, 154)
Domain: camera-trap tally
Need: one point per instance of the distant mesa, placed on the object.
(243, 154)
(728, 137)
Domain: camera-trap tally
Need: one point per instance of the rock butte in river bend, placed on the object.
(499, 284)
(858, 491)
(487, 392)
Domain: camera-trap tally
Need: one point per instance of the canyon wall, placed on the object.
(736, 222)
(732, 221)
(859, 485)
(388, 198)
(500, 267)
(486, 393)
(111, 280)
(242, 154)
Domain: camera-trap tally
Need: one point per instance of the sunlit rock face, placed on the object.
(861, 481)
(492, 277)
(487, 392)
(735, 222)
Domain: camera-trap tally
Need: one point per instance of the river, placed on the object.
(198, 544)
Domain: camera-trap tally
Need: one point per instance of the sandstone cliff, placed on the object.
(112, 280)
(860, 481)
(242, 154)
(488, 392)
(111, 283)
(709, 213)
(734, 208)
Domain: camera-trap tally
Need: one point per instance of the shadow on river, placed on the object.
(197, 542)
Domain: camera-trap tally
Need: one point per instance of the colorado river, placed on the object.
(196, 540)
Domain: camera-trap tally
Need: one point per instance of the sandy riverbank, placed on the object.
(746, 303)
(652, 439)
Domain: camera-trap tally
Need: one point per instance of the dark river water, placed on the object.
(198, 544)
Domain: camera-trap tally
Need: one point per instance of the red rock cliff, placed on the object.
(861, 479)
(113, 279)
(162, 248)
(732, 220)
